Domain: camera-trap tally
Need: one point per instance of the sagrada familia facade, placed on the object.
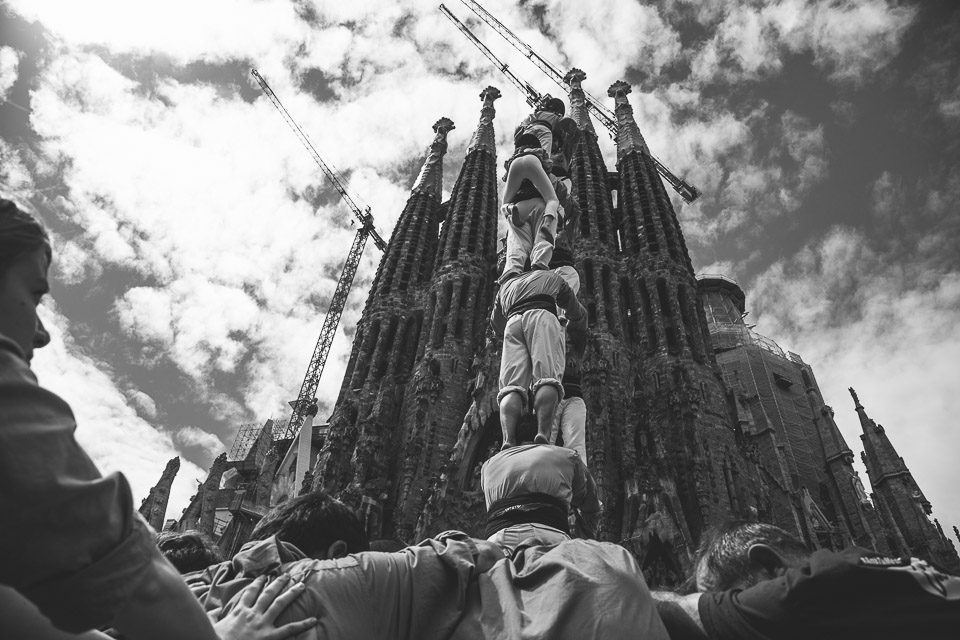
(692, 417)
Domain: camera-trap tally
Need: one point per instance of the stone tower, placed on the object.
(359, 459)
(686, 449)
(154, 506)
(457, 302)
(899, 498)
(201, 513)
(676, 437)
(807, 481)
(406, 378)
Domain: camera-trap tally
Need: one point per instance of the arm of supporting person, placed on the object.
(585, 496)
(498, 321)
(680, 615)
(576, 317)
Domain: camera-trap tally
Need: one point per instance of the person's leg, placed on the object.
(545, 402)
(558, 422)
(514, 379)
(511, 408)
(530, 168)
(545, 341)
(520, 238)
(573, 426)
(546, 235)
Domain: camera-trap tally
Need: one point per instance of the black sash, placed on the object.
(527, 508)
(537, 301)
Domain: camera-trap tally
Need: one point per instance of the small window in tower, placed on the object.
(782, 381)
(656, 380)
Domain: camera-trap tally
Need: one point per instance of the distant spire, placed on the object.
(880, 457)
(483, 137)
(629, 138)
(578, 100)
(856, 400)
(154, 506)
(430, 179)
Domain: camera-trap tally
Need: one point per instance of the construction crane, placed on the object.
(306, 403)
(606, 117)
(532, 96)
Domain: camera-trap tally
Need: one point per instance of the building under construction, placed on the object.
(692, 417)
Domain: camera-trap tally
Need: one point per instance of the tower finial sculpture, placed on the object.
(483, 137)
(430, 179)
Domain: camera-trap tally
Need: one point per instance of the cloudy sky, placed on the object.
(198, 246)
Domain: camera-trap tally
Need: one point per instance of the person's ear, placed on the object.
(338, 549)
(766, 559)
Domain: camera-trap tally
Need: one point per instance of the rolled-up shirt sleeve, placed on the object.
(69, 538)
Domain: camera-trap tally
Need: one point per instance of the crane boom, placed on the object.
(329, 330)
(362, 215)
(532, 96)
(606, 117)
(305, 400)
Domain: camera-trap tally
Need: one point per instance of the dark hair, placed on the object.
(723, 561)
(556, 106)
(188, 551)
(312, 522)
(390, 545)
(20, 233)
(527, 428)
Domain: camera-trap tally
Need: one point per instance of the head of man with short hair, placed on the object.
(556, 106)
(739, 554)
(320, 526)
(189, 550)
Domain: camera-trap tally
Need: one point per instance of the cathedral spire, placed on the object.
(897, 493)
(470, 226)
(154, 506)
(880, 458)
(578, 100)
(413, 243)
(430, 179)
(483, 137)
(629, 138)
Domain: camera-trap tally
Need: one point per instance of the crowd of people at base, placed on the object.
(76, 560)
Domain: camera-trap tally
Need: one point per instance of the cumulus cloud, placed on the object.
(849, 40)
(196, 437)
(108, 427)
(865, 319)
(9, 61)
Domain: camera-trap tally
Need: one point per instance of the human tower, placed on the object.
(531, 485)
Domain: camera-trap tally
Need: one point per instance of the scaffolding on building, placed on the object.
(247, 435)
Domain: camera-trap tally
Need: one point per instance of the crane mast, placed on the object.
(306, 401)
(363, 215)
(606, 117)
(533, 97)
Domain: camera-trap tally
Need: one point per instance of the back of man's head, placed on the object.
(188, 550)
(738, 554)
(320, 526)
